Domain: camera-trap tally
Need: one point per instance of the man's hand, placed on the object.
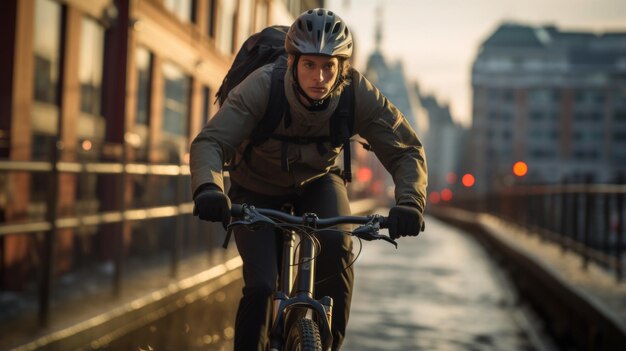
(211, 204)
(405, 220)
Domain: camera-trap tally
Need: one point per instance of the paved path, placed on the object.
(439, 291)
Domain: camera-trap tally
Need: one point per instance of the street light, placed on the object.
(520, 168)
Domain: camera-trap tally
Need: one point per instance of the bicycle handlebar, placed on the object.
(252, 216)
(237, 211)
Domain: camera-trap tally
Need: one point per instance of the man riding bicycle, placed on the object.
(287, 170)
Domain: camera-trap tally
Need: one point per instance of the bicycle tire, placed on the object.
(304, 335)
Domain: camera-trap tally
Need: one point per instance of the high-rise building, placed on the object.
(553, 99)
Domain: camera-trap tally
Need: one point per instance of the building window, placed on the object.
(175, 111)
(211, 18)
(619, 136)
(90, 67)
(206, 104)
(143, 61)
(589, 96)
(47, 52)
(543, 96)
(139, 138)
(226, 27)
(620, 116)
(183, 9)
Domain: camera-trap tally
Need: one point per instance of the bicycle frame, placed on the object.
(300, 302)
(285, 302)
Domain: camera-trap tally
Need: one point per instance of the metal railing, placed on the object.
(50, 225)
(584, 218)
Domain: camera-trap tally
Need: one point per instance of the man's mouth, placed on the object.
(318, 90)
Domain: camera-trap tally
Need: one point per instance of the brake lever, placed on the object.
(251, 219)
(369, 232)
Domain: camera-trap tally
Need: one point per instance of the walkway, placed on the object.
(440, 291)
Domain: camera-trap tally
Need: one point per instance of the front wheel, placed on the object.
(304, 335)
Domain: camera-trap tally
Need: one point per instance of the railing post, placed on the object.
(566, 224)
(575, 218)
(177, 236)
(607, 228)
(619, 249)
(588, 220)
(46, 283)
(121, 226)
(554, 217)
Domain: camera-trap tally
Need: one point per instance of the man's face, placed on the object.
(317, 75)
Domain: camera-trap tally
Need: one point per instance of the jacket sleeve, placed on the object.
(231, 125)
(393, 140)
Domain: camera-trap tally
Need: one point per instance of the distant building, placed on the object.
(553, 99)
(444, 142)
(391, 80)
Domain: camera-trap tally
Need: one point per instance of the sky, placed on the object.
(437, 40)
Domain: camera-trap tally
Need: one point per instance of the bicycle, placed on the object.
(299, 321)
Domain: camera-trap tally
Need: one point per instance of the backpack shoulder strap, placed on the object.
(342, 128)
(276, 105)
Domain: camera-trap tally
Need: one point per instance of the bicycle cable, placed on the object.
(306, 230)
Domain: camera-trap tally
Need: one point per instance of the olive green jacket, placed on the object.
(225, 136)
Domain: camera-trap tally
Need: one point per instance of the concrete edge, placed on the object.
(594, 325)
(101, 329)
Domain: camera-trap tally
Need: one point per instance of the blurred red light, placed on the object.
(446, 194)
(364, 174)
(434, 197)
(468, 180)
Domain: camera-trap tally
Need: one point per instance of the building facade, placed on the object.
(553, 99)
(98, 99)
(445, 145)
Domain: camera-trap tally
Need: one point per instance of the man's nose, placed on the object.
(320, 75)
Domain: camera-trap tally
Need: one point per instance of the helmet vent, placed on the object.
(300, 25)
(309, 25)
(336, 27)
(330, 13)
(319, 35)
(320, 12)
(309, 12)
(327, 27)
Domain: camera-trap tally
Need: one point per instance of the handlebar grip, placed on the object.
(384, 222)
(236, 210)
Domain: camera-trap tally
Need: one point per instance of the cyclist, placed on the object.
(303, 175)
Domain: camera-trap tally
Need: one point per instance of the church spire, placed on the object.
(378, 36)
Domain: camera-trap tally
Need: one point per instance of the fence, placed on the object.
(97, 237)
(585, 218)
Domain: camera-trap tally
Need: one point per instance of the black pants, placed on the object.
(261, 251)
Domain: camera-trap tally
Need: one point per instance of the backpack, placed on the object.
(268, 46)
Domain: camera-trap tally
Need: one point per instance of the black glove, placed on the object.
(211, 204)
(405, 220)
